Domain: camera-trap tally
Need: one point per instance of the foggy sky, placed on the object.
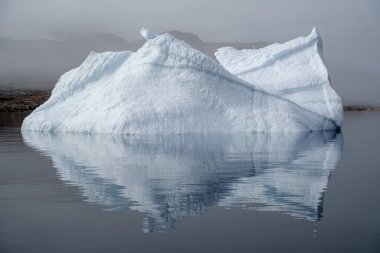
(349, 28)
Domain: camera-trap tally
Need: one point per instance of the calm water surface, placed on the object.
(304, 192)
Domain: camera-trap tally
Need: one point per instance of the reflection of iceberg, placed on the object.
(170, 177)
(168, 87)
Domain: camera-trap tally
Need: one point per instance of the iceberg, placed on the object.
(167, 87)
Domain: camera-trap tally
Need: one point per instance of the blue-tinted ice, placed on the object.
(173, 176)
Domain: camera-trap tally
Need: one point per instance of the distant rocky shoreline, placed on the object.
(28, 100)
(22, 100)
(360, 108)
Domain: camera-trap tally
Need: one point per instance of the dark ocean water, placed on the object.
(304, 192)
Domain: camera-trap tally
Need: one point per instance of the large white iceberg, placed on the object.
(169, 87)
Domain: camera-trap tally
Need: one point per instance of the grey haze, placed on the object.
(349, 29)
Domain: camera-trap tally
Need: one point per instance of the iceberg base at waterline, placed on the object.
(167, 87)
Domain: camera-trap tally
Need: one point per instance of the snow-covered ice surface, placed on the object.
(168, 177)
(293, 70)
(168, 87)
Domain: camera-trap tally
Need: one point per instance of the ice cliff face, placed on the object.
(168, 87)
(293, 70)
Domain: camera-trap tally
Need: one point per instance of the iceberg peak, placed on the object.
(147, 34)
(314, 33)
